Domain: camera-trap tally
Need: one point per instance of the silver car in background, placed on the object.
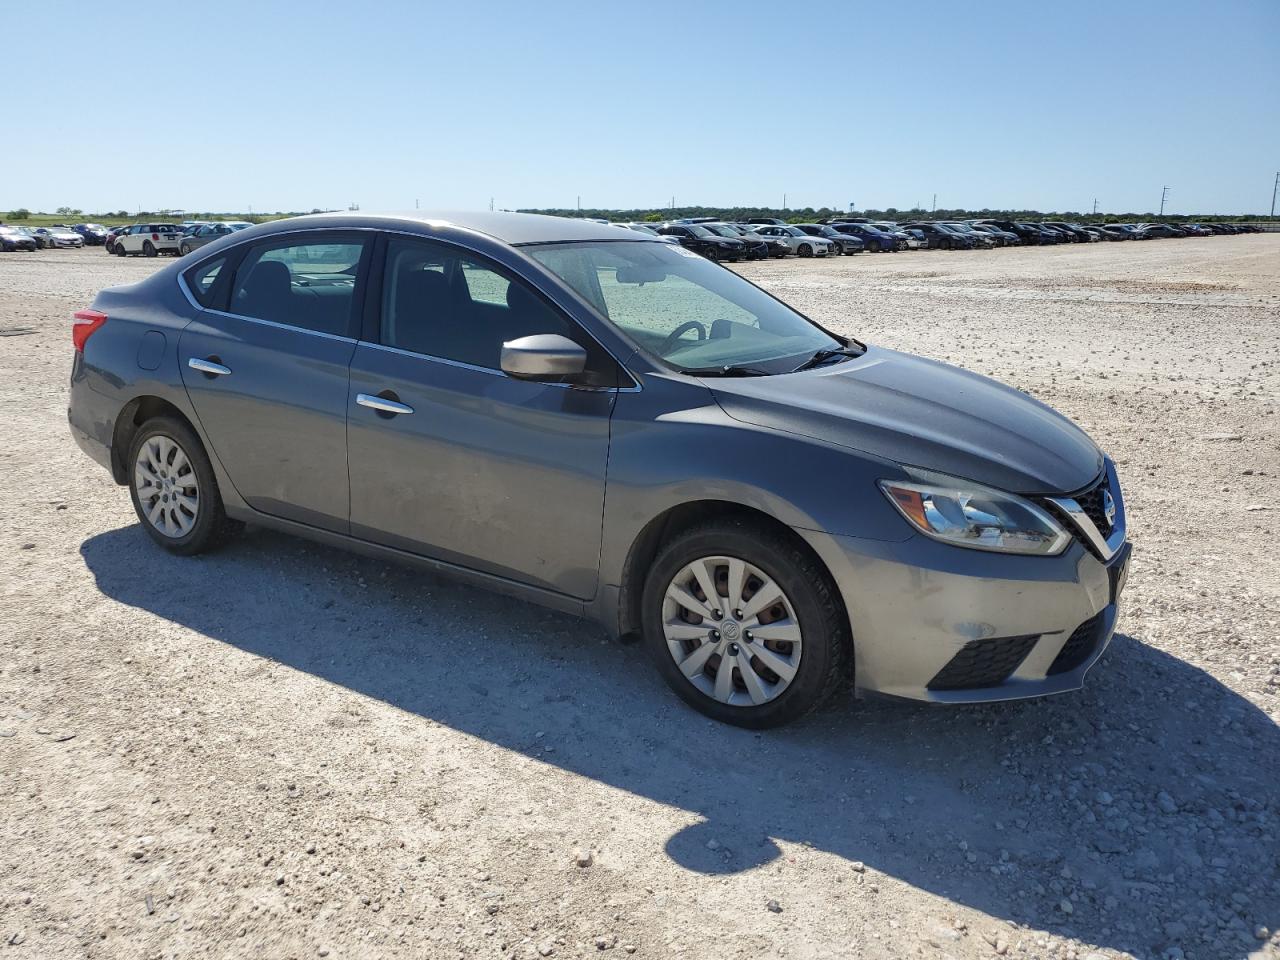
(610, 425)
(207, 233)
(801, 244)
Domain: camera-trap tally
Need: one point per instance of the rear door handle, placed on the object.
(381, 404)
(209, 367)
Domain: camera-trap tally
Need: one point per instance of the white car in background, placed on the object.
(801, 243)
(149, 239)
(57, 237)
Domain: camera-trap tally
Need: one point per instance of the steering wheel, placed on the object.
(679, 331)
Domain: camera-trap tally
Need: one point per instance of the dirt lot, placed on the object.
(284, 751)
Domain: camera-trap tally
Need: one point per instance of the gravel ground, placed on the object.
(284, 751)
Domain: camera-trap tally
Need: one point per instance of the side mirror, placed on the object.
(543, 356)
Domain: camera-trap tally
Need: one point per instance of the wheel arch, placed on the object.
(130, 419)
(671, 523)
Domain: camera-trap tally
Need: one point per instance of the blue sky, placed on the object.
(289, 106)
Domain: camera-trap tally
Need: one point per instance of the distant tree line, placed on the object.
(810, 214)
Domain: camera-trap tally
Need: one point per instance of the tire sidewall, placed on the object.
(819, 632)
(209, 515)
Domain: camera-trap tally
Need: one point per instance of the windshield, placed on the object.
(962, 227)
(794, 231)
(682, 309)
(722, 230)
(698, 230)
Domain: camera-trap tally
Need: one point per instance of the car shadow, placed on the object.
(1139, 814)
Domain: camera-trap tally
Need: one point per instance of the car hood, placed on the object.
(922, 413)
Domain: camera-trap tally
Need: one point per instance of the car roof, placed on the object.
(510, 228)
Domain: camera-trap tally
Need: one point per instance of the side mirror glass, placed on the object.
(543, 356)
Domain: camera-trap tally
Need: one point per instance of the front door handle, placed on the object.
(381, 404)
(208, 366)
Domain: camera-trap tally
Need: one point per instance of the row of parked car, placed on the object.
(147, 239)
(763, 238)
(178, 239)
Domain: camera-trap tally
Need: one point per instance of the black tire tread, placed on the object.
(775, 545)
(213, 528)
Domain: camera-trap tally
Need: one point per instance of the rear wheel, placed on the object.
(745, 624)
(174, 490)
(148, 248)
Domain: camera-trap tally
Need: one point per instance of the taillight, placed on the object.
(155, 236)
(86, 322)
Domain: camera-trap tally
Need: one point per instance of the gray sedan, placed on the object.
(207, 233)
(609, 425)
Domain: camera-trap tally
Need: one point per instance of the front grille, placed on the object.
(983, 663)
(1079, 646)
(1091, 502)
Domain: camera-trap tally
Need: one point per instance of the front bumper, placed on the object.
(942, 624)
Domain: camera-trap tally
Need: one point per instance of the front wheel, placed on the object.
(174, 490)
(121, 251)
(805, 250)
(184, 250)
(745, 624)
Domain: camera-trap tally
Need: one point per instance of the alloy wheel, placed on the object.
(731, 631)
(167, 487)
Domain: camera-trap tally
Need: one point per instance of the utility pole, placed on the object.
(1273, 196)
(491, 204)
(784, 203)
(1095, 206)
(579, 203)
(1164, 195)
(935, 203)
(417, 205)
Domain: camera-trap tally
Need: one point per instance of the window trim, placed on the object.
(628, 381)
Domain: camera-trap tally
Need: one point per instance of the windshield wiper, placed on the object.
(729, 370)
(823, 355)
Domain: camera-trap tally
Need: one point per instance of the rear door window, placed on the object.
(313, 284)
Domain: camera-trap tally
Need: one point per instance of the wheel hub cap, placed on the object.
(746, 659)
(166, 485)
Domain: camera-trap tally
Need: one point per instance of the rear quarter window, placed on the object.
(203, 282)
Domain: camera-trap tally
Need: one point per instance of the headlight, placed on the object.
(967, 514)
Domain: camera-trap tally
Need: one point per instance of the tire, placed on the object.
(186, 530)
(183, 250)
(822, 662)
(148, 248)
(121, 251)
(874, 246)
(805, 250)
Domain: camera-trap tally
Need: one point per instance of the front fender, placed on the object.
(684, 448)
